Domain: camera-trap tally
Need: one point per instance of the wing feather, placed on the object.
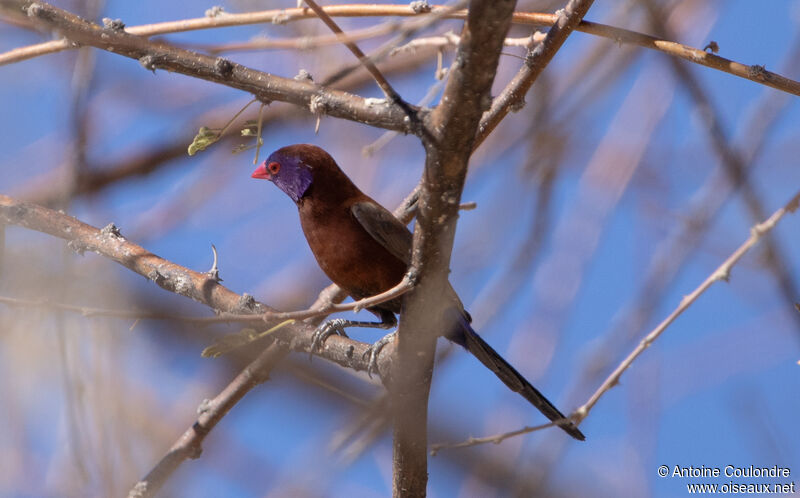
(387, 230)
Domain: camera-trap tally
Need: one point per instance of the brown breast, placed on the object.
(350, 257)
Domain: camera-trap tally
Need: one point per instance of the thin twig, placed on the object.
(450, 39)
(496, 439)
(387, 88)
(210, 412)
(722, 272)
(755, 73)
(513, 95)
(270, 316)
(734, 165)
(266, 87)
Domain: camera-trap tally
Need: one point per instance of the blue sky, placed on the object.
(719, 387)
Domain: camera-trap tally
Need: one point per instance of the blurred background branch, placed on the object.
(622, 182)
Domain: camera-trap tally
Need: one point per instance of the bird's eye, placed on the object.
(274, 167)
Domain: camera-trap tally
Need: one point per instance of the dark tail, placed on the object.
(469, 339)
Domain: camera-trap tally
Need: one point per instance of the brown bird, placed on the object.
(365, 250)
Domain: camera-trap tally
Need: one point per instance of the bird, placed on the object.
(365, 250)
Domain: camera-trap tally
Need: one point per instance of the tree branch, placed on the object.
(755, 73)
(734, 164)
(450, 130)
(210, 412)
(177, 279)
(513, 95)
(264, 86)
(723, 272)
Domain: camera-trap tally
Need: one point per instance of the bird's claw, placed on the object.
(325, 330)
(374, 350)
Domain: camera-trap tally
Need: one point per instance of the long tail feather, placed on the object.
(480, 349)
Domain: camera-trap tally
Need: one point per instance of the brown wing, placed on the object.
(390, 232)
(387, 230)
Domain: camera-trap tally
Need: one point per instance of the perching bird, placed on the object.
(365, 250)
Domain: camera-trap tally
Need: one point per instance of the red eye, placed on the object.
(274, 167)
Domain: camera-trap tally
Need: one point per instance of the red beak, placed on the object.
(261, 172)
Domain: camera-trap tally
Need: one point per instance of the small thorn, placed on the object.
(213, 273)
(468, 206)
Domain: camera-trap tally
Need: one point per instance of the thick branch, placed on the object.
(264, 86)
(753, 73)
(449, 134)
(201, 287)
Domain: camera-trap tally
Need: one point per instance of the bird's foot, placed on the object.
(326, 329)
(374, 350)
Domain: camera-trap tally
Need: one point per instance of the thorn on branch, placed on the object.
(213, 273)
(318, 106)
(113, 24)
(712, 47)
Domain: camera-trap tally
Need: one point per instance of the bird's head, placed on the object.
(290, 169)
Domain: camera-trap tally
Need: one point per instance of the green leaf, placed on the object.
(204, 138)
(241, 148)
(229, 342)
